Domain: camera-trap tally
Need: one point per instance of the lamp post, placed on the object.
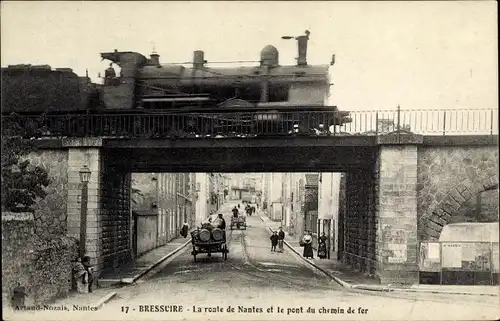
(84, 178)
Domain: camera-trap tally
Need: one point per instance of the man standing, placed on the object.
(281, 239)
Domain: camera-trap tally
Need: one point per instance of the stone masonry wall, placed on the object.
(50, 213)
(396, 241)
(40, 265)
(447, 178)
(116, 221)
(360, 224)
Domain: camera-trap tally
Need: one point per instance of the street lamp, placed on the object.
(84, 178)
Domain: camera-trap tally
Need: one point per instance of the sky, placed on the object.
(419, 55)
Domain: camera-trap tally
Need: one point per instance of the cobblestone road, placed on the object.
(263, 285)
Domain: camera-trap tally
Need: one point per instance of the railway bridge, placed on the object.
(407, 174)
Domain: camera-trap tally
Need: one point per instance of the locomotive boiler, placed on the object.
(264, 95)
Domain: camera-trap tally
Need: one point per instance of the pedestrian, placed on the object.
(90, 272)
(184, 230)
(281, 239)
(274, 241)
(80, 275)
(307, 243)
(235, 212)
(322, 246)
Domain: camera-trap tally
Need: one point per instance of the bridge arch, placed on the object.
(448, 177)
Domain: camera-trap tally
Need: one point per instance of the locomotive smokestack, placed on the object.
(302, 46)
(198, 59)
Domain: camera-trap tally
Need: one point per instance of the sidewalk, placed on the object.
(144, 263)
(347, 277)
(125, 275)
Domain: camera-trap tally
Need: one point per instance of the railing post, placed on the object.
(399, 118)
(444, 123)
(399, 124)
(491, 122)
(376, 123)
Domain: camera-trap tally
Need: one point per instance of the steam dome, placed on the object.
(269, 56)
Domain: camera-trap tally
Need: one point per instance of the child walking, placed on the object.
(274, 241)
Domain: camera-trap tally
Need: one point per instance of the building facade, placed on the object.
(304, 201)
(328, 208)
(161, 204)
(216, 191)
(202, 197)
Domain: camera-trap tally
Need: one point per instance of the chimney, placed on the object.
(198, 59)
(302, 46)
(155, 58)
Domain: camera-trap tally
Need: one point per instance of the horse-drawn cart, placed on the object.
(239, 221)
(209, 240)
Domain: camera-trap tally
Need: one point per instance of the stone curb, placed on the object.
(376, 288)
(149, 268)
(108, 297)
(389, 289)
(331, 276)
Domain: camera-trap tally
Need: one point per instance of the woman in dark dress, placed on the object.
(322, 246)
(307, 241)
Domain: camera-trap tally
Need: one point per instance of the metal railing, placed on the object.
(264, 123)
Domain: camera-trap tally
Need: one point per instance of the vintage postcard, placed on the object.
(250, 160)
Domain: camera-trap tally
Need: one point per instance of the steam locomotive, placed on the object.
(144, 86)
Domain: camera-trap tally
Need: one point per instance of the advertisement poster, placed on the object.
(452, 255)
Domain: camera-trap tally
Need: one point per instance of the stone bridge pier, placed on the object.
(406, 195)
(108, 208)
(108, 241)
(380, 224)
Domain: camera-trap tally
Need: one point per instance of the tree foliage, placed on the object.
(22, 183)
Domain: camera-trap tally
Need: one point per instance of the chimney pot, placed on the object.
(302, 46)
(155, 59)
